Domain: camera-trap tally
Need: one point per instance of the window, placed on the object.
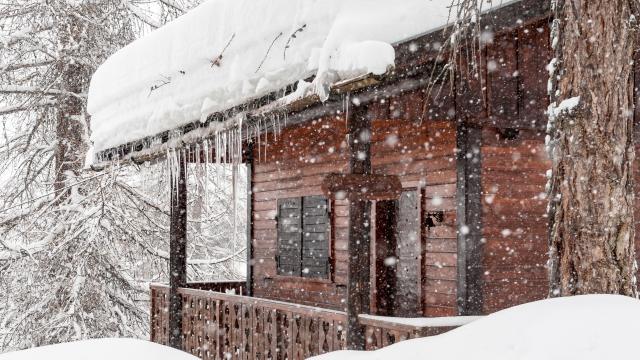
(304, 232)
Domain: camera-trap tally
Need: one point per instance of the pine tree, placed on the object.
(592, 147)
(77, 248)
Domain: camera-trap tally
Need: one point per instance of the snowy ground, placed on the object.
(100, 349)
(591, 327)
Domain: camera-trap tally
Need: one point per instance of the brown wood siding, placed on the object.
(294, 163)
(512, 94)
(422, 155)
(513, 171)
(514, 219)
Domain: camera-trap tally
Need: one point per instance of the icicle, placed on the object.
(225, 146)
(239, 141)
(173, 166)
(170, 168)
(198, 154)
(231, 145)
(286, 117)
(167, 164)
(346, 109)
(206, 174)
(258, 137)
(279, 124)
(273, 127)
(176, 169)
(266, 142)
(218, 154)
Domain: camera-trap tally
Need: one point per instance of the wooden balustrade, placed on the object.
(384, 331)
(223, 326)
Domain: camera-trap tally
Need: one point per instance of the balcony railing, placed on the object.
(221, 326)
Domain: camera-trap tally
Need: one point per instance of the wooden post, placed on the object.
(358, 287)
(177, 250)
(469, 220)
(249, 162)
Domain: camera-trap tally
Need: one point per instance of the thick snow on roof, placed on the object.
(589, 327)
(227, 52)
(100, 349)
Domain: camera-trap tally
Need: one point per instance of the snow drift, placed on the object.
(589, 327)
(100, 349)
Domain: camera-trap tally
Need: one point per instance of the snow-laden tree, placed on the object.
(78, 248)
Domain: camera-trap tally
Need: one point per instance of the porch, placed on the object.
(216, 325)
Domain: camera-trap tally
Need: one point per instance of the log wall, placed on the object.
(514, 219)
(507, 100)
(293, 162)
(422, 154)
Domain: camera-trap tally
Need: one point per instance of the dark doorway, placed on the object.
(385, 256)
(397, 256)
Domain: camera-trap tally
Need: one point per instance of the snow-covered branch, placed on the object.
(140, 14)
(27, 107)
(17, 89)
(23, 66)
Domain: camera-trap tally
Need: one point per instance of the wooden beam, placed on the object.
(469, 220)
(358, 286)
(177, 250)
(362, 186)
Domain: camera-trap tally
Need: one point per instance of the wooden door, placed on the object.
(408, 283)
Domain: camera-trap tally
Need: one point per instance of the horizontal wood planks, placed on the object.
(423, 156)
(293, 163)
(514, 219)
(417, 143)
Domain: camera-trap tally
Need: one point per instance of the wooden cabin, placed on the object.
(405, 203)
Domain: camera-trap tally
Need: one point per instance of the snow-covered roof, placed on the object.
(225, 53)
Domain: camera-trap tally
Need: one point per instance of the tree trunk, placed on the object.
(71, 119)
(591, 145)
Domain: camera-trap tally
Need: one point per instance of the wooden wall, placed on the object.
(514, 164)
(293, 163)
(509, 94)
(422, 154)
(514, 219)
